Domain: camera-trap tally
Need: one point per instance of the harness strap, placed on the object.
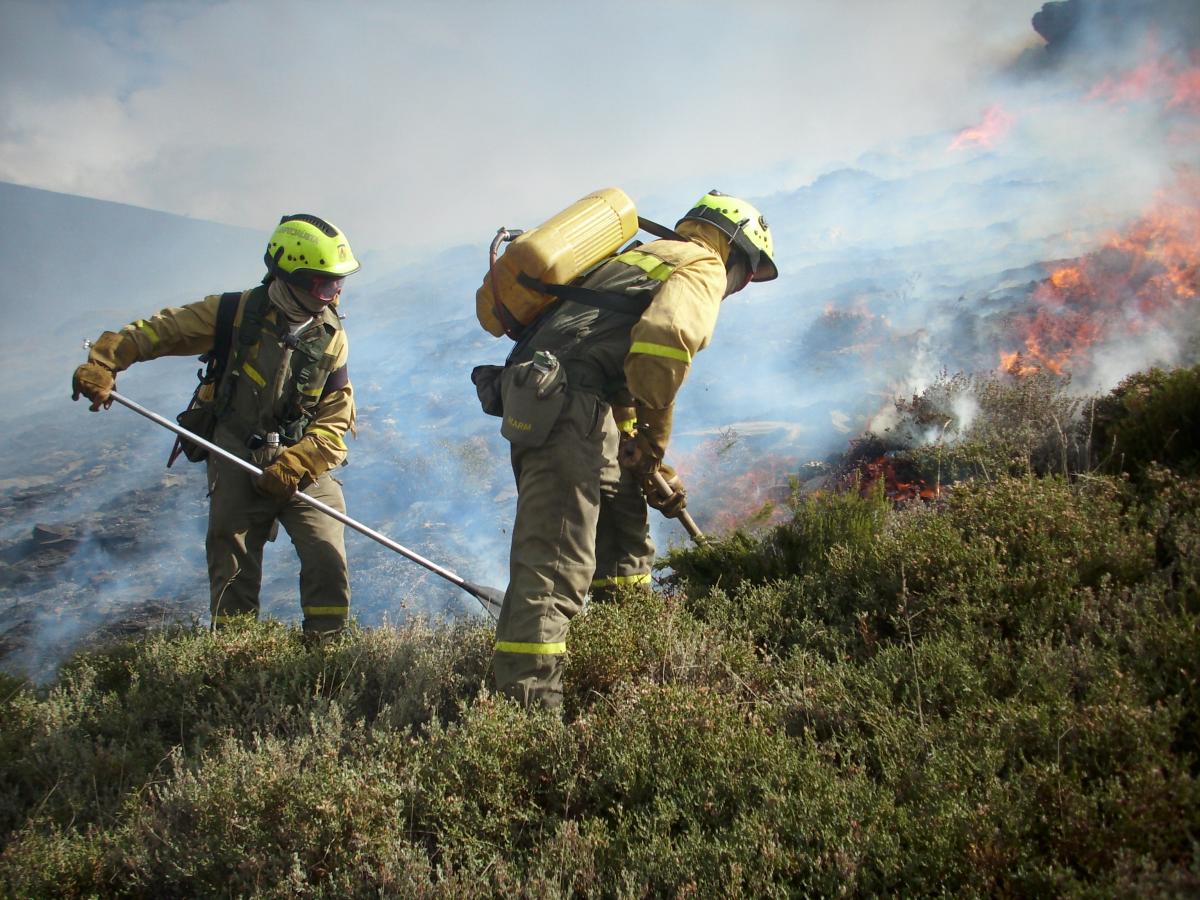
(215, 359)
(659, 231)
(609, 300)
(248, 335)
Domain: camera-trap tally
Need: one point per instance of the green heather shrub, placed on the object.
(652, 637)
(1149, 417)
(115, 715)
(997, 694)
(818, 522)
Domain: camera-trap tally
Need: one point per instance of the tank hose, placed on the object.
(509, 322)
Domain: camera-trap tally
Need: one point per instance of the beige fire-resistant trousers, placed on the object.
(240, 521)
(566, 489)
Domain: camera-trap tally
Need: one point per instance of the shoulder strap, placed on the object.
(219, 355)
(659, 231)
(248, 333)
(252, 318)
(609, 300)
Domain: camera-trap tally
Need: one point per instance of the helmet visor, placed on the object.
(326, 288)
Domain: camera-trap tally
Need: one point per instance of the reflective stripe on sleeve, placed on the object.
(648, 349)
(553, 649)
(651, 265)
(333, 436)
(147, 330)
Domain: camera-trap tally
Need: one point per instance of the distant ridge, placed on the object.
(84, 255)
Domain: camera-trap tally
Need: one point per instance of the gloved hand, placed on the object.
(637, 454)
(644, 450)
(93, 381)
(111, 353)
(670, 503)
(295, 468)
(281, 479)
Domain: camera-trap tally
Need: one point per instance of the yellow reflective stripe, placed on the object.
(325, 432)
(312, 392)
(616, 580)
(661, 350)
(149, 331)
(627, 425)
(518, 647)
(253, 373)
(651, 265)
(325, 610)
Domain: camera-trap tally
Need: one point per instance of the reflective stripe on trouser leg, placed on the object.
(553, 552)
(239, 521)
(624, 550)
(320, 543)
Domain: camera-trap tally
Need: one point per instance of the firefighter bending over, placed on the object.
(581, 517)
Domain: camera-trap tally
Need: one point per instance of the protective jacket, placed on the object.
(302, 393)
(285, 374)
(639, 361)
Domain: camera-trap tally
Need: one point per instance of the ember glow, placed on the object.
(898, 486)
(1141, 280)
(995, 125)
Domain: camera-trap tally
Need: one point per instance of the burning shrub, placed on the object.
(973, 426)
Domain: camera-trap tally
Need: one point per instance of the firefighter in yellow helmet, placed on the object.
(583, 488)
(282, 400)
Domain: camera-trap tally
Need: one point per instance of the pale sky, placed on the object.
(414, 125)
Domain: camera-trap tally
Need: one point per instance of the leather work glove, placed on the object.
(669, 504)
(293, 469)
(93, 381)
(644, 450)
(111, 353)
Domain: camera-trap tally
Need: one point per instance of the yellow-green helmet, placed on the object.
(305, 248)
(743, 225)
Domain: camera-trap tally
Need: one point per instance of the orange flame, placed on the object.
(1165, 79)
(896, 486)
(995, 125)
(1138, 280)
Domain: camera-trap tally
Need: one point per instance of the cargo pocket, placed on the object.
(533, 394)
(201, 421)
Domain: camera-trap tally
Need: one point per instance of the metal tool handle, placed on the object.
(684, 516)
(490, 598)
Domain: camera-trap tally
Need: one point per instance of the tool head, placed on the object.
(491, 598)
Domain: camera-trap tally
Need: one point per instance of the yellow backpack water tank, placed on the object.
(554, 252)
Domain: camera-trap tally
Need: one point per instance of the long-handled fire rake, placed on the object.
(491, 598)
